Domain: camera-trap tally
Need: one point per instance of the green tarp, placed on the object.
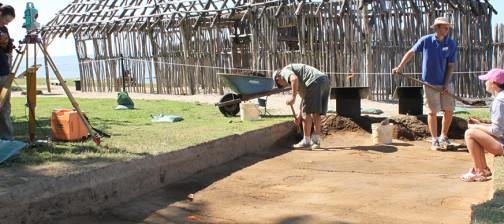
(166, 118)
(124, 101)
(10, 149)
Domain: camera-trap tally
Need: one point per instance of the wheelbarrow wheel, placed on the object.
(232, 109)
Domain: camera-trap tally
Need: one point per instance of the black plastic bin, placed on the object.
(77, 85)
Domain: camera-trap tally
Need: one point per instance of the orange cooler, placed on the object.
(67, 125)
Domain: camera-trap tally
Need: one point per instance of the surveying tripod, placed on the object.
(31, 83)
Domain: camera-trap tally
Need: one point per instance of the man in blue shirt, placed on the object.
(439, 55)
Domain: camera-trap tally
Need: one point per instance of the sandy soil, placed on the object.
(350, 180)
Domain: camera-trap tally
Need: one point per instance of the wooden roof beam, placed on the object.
(90, 15)
(170, 22)
(97, 15)
(112, 5)
(55, 33)
(124, 23)
(299, 8)
(123, 13)
(216, 18)
(157, 22)
(113, 28)
(182, 20)
(87, 30)
(134, 25)
(145, 24)
(97, 27)
(104, 28)
(133, 12)
(491, 7)
(317, 12)
(81, 19)
(191, 6)
(245, 16)
(279, 9)
(200, 17)
(70, 31)
(156, 9)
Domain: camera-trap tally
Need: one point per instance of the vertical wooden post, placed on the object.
(185, 30)
(31, 89)
(48, 82)
(367, 32)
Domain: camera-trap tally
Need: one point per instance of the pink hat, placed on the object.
(496, 75)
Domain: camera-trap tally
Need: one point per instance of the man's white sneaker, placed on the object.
(445, 144)
(315, 145)
(435, 145)
(301, 144)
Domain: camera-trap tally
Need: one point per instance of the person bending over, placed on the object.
(313, 87)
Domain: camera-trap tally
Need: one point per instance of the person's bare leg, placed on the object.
(432, 120)
(447, 120)
(477, 142)
(317, 123)
(307, 123)
(475, 150)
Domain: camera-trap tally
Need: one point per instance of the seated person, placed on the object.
(482, 137)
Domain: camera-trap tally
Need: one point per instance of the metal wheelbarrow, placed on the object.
(246, 88)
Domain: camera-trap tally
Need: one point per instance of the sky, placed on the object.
(63, 47)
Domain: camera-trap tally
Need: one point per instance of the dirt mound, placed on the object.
(334, 123)
(409, 128)
(251, 73)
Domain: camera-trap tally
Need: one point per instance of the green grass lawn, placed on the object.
(133, 132)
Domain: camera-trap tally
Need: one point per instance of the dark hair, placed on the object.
(276, 74)
(501, 86)
(7, 10)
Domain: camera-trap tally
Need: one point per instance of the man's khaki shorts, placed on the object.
(436, 101)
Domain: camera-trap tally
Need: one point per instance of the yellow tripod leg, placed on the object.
(6, 89)
(90, 130)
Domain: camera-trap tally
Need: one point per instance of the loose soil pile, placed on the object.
(251, 73)
(406, 127)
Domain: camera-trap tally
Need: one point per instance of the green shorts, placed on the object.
(435, 101)
(316, 97)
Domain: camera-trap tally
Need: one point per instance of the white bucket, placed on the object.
(382, 134)
(249, 111)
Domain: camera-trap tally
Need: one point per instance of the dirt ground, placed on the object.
(350, 180)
